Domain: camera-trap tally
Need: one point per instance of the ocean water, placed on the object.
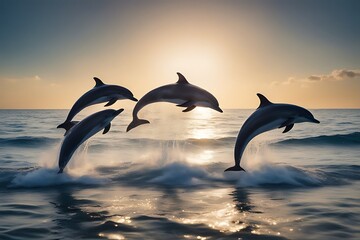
(166, 180)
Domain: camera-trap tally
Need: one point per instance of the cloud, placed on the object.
(346, 73)
(335, 75)
(314, 78)
(36, 78)
(287, 82)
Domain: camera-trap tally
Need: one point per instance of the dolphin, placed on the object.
(181, 93)
(80, 132)
(100, 93)
(268, 116)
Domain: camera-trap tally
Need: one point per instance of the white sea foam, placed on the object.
(45, 177)
(78, 171)
(270, 174)
(170, 165)
(261, 171)
(179, 174)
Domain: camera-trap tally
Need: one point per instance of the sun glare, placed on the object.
(202, 158)
(202, 113)
(199, 63)
(191, 60)
(201, 131)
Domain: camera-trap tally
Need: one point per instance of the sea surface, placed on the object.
(166, 180)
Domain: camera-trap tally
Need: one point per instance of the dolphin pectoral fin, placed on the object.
(186, 104)
(188, 109)
(287, 122)
(235, 168)
(107, 128)
(288, 128)
(111, 102)
(98, 82)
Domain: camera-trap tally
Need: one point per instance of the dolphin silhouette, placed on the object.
(181, 93)
(268, 116)
(99, 94)
(80, 132)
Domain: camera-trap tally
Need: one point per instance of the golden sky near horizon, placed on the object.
(290, 51)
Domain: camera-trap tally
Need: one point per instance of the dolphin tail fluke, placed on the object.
(235, 168)
(60, 171)
(136, 122)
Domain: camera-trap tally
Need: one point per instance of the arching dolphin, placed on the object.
(82, 131)
(181, 93)
(100, 93)
(268, 116)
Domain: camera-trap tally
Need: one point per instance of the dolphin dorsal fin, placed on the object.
(98, 82)
(263, 101)
(182, 79)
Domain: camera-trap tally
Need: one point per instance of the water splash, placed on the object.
(79, 171)
(167, 165)
(262, 172)
(279, 176)
(45, 177)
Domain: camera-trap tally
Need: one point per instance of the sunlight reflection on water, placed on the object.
(202, 158)
(112, 236)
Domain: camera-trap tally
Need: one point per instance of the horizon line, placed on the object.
(336, 108)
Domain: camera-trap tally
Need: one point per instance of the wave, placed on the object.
(184, 175)
(285, 176)
(212, 142)
(351, 139)
(169, 175)
(194, 141)
(281, 176)
(338, 139)
(27, 141)
(46, 177)
(149, 142)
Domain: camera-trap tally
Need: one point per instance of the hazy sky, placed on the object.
(301, 52)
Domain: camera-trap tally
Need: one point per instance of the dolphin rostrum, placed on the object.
(268, 116)
(98, 94)
(181, 93)
(82, 131)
